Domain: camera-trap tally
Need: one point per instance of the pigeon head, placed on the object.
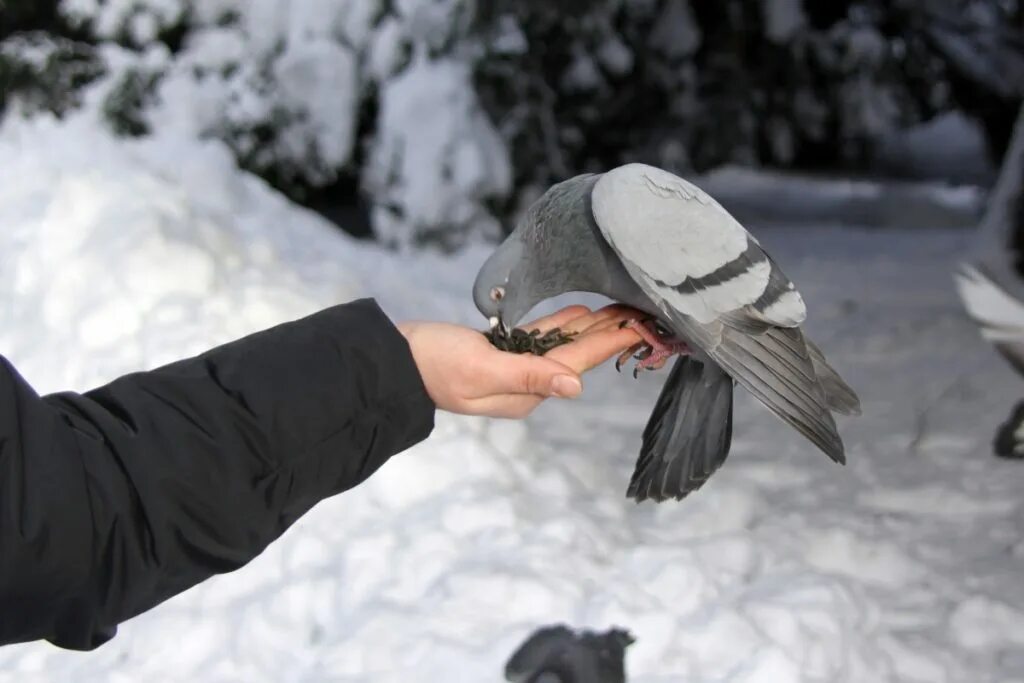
(502, 289)
(553, 250)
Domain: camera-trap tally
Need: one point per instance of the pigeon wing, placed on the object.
(708, 266)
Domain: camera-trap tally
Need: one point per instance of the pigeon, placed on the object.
(653, 241)
(991, 283)
(557, 654)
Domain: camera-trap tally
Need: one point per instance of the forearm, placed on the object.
(192, 469)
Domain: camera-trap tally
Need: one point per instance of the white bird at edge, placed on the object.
(991, 285)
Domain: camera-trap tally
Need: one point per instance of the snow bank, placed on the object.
(784, 568)
(132, 254)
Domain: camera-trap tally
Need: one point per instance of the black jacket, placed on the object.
(114, 500)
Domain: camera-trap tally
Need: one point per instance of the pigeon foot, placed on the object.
(654, 351)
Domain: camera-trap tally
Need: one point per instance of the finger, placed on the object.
(578, 318)
(614, 312)
(557, 319)
(511, 406)
(511, 373)
(609, 323)
(616, 318)
(594, 348)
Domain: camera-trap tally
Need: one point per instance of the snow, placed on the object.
(903, 566)
(950, 147)
(436, 156)
(676, 33)
(289, 83)
(324, 75)
(616, 56)
(788, 198)
(782, 19)
(140, 21)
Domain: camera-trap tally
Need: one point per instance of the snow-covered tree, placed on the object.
(445, 117)
(691, 85)
(981, 44)
(328, 100)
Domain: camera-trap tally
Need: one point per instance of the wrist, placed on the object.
(409, 331)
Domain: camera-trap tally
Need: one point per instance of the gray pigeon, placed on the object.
(992, 285)
(649, 239)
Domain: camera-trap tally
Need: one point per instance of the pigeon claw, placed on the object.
(654, 351)
(633, 351)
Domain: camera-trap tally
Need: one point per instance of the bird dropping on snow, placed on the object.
(651, 240)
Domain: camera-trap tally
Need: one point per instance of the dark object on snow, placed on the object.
(518, 340)
(1009, 441)
(653, 241)
(556, 654)
(119, 498)
(992, 284)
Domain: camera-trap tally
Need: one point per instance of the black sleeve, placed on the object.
(114, 500)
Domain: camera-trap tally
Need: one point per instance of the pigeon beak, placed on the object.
(497, 323)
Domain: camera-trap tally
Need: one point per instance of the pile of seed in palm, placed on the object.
(519, 340)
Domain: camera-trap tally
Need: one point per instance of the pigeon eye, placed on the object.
(497, 293)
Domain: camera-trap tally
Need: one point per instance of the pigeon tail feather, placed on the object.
(839, 396)
(777, 368)
(688, 435)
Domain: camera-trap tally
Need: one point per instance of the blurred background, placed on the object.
(177, 173)
(342, 106)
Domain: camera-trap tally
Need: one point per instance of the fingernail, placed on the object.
(566, 386)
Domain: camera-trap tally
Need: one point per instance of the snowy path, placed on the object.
(903, 566)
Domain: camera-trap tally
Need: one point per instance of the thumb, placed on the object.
(526, 374)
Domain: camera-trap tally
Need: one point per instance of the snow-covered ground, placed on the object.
(903, 566)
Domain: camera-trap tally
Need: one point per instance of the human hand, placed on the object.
(464, 373)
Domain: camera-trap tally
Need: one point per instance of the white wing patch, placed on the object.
(1000, 316)
(671, 227)
(788, 310)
